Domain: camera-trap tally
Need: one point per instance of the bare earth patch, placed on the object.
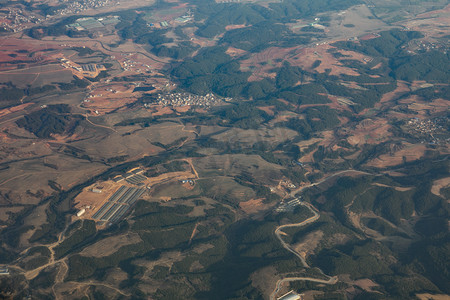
(110, 245)
(310, 242)
(431, 23)
(182, 109)
(88, 198)
(365, 284)
(397, 188)
(7, 111)
(264, 62)
(253, 206)
(402, 87)
(108, 98)
(370, 132)
(424, 108)
(161, 110)
(307, 56)
(306, 143)
(231, 27)
(439, 184)
(267, 109)
(409, 153)
(264, 279)
(432, 297)
(6, 211)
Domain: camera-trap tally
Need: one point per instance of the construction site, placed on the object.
(83, 70)
(108, 201)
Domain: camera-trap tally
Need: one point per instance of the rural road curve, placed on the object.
(315, 217)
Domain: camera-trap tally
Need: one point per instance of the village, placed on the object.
(432, 130)
(185, 99)
(17, 18)
(76, 7)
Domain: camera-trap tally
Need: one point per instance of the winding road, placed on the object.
(278, 232)
(315, 217)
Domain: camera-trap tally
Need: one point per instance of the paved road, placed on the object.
(279, 229)
(331, 280)
(315, 217)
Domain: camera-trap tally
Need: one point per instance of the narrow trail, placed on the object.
(60, 277)
(114, 51)
(332, 280)
(10, 120)
(188, 138)
(193, 233)
(98, 125)
(86, 116)
(89, 283)
(279, 232)
(35, 272)
(192, 130)
(189, 161)
(62, 270)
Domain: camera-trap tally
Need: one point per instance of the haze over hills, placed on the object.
(224, 150)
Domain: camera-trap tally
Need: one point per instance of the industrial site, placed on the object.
(107, 202)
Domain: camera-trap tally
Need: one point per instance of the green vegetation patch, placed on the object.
(76, 239)
(220, 15)
(316, 119)
(53, 119)
(225, 189)
(355, 259)
(388, 44)
(10, 96)
(433, 66)
(211, 70)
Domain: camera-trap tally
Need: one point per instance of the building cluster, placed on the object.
(158, 23)
(15, 20)
(127, 64)
(288, 206)
(291, 296)
(190, 181)
(121, 201)
(4, 270)
(288, 184)
(75, 7)
(91, 67)
(425, 46)
(132, 177)
(88, 98)
(118, 204)
(184, 99)
(184, 19)
(89, 70)
(433, 131)
(104, 25)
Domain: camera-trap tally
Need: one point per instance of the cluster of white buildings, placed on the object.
(16, 20)
(433, 129)
(288, 206)
(74, 7)
(184, 99)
